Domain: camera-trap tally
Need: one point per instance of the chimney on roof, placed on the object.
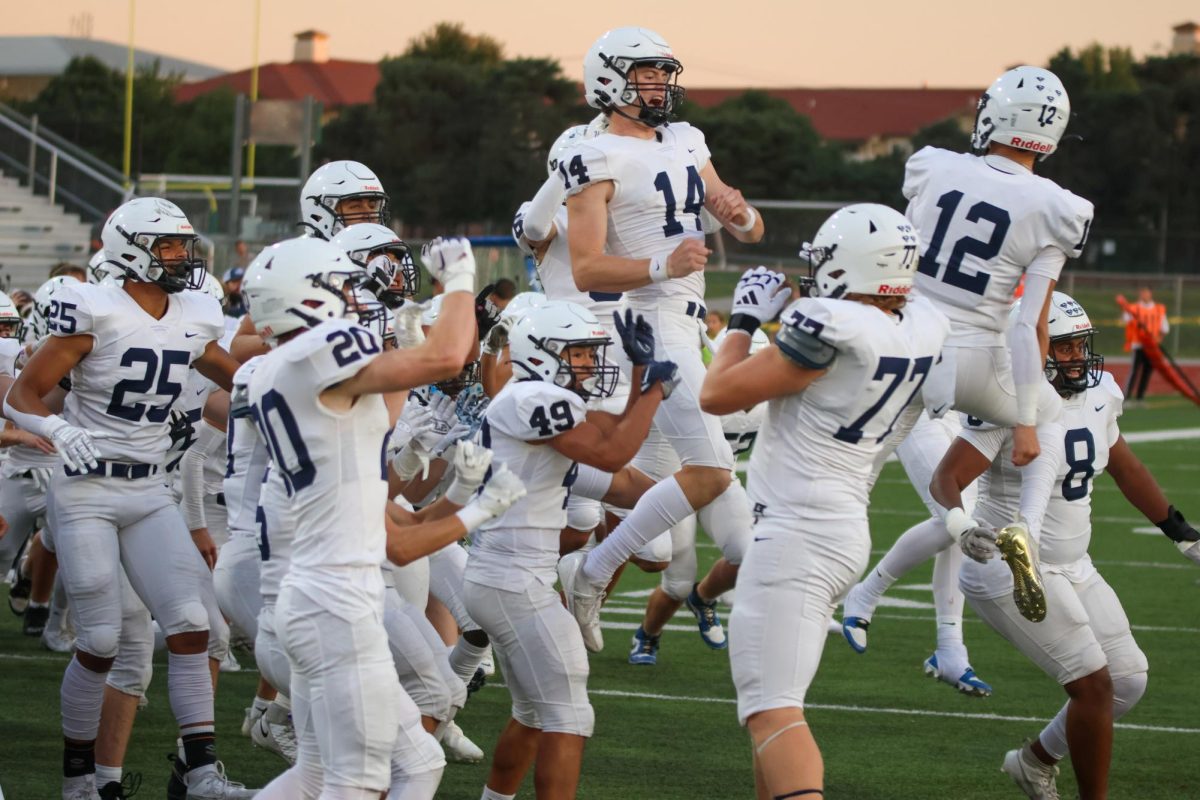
(1186, 41)
(311, 46)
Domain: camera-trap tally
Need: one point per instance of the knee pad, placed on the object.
(583, 514)
(657, 549)
(102, 641)
(218, 638)
(677, 587)
(525, 713)
(189, 617)
(575, 718)
(1127, 691)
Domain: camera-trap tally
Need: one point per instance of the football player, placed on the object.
(1086, 643)
(845, 365)
(985, 220)
(127, 350)
(540, 425)
(394, 276)
(647, 241)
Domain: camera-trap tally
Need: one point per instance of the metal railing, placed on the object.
(65, 173)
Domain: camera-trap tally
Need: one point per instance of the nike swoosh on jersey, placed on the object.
(190, 335)
(1102, 405)
(938, 410)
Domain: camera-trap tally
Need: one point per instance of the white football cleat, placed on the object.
(279, 738)
(457, 746)
(56, 641)
(488, 663)
(82, 787)
(210, 783)
(230, 663)
(252, 716)
(1035, 779)
(583, 600)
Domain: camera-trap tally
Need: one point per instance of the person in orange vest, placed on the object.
(1145, 322)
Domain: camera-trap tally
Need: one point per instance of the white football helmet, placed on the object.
(1068, 320)
(431, 310)
(299, 283)
(38, 325)
(134, 230)
(865, 248)
(392, 275)
(538, 340)
(757, 342)
(213, 288)
(12, 326)
(334, 182)
(606, 67)
(522, 304)
(99, 269)
(1027, 108)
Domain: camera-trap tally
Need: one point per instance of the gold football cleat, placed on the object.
(1017, 549)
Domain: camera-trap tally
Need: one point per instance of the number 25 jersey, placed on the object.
(138, 365)
(815, 454)
(982, 221)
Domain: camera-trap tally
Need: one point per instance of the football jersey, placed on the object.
(1090, 422)
(331, 463)
(275, 527)
(138, 366)
(20, 457)
(522, 543)
(815, 455)
(741, 428)
(558, 281)
(10, 349)
(658, 197)
(982, 220)
(190, 406)
(246, 462)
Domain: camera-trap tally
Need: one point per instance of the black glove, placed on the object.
(486, 313)
(1176, 528)
(662, 372)
(637, 337)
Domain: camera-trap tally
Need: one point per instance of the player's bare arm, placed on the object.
(611, 450)
(246, 342)
(1136, 483)
(217, 365)
(961, 465)
(57, 356)
(741, 219)
(735, 382)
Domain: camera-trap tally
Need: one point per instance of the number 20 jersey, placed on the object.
(815, 454)
(332, 462)
(138, 366)
(657, 198)
(982, 220)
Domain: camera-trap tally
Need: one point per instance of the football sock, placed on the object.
(488, 794)
(81, 697)
(915, 546)
(261, 704)
(728, 521)
(1127, 691)
(657, 511)
(465, 658)
(189, 687)
(106, 775)
(948, 600)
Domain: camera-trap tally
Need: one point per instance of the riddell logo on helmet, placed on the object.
(886, 289)
(1029, 144)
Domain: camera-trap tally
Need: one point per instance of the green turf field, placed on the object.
(887, 732)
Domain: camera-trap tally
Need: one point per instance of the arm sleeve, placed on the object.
(1027, 365)
(209, 441)
(1039, 477)
(539, 217)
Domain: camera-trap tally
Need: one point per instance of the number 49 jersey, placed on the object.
(138, 365)
(982, 220)
(815, 455)
(331, 462)
(658, 196)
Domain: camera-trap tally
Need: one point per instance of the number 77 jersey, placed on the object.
(815, 454)
(982, 221)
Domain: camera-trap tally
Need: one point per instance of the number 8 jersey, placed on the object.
(983, 220)
(138, 365)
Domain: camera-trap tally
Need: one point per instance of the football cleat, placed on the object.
(82, 787)
(645, 648)
(18, 593)
(477, 682)
(583, 599)
(1019, 551)
(126, 788)
(855, 631)
(457, 746)
(967, 682)
(56, 641)
(230, 663)
(279, 738)
(488, 663)
(177, 781)
(35, 620)
(707, 620)
(209, 783)
(252, 715)
(1031, 776)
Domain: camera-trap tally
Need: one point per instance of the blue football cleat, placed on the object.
(968, 682)
(855, 631)
(707, 620)
(645, 649)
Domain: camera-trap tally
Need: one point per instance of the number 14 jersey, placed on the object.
(982, 221)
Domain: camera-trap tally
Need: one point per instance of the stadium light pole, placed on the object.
(253, 88)
(126, 155)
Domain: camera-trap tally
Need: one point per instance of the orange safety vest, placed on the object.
(1145, 323)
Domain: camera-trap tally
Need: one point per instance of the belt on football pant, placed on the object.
(116, 469)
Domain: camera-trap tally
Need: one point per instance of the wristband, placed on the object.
(472, 516)
(957, 521)
(1176, 528)
(407, 463)
(462, 282)
(1027, 404)
(460, 493)
(751, 218)
(746, 323)
(658, 269)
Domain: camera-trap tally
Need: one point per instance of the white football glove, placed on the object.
(501, 491)
(761, 294)
(76, 446)
(451, 262)
(461, 430)
(414, 419)
(407, 327)
(444, 420)
(976, 541)
(471, 462)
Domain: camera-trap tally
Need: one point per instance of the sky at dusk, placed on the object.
(742, 43)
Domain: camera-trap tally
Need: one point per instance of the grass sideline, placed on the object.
(670, 731)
